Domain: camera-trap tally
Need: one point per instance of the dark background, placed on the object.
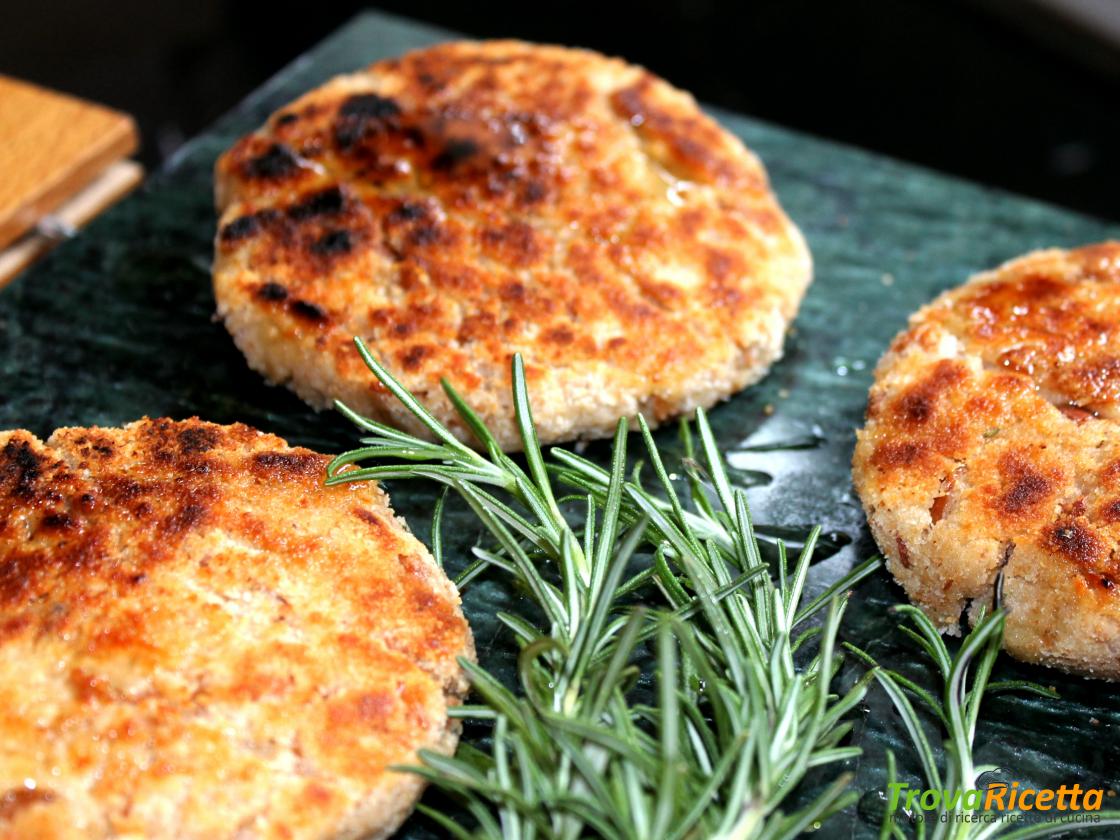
(998, 91)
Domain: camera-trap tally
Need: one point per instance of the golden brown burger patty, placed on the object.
(473, 200)
(991, 445)
(197, 640)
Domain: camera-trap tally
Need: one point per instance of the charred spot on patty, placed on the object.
(427, 234)
(1110, 511)
(20, 466)
(917, 404)
(891, 454)
(277, 162)
(281, 464)
(197, 440)
(515, 243)
(413, 357)
(332, 243)
(1024, 487)
(287, 118)
(534, 192)
(408, 211)
(1074, 541)
(241, 228)
(560, 335)
(328, 202)
(362, 114)
(56, 520)
(307, 310)
(454, 153)
(272, 292)
(369, 106)
(122, 490)
(184, 519)
(413, 137)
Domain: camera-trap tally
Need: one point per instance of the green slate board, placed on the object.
(118, 323)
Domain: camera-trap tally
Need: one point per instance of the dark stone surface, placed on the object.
(118, 324)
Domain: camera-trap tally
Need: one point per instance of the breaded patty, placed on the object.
(473, 200)
(197, 640)
(991, 445)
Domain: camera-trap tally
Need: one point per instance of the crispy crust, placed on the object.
(198, 640)
(991, 444)
(471, 200)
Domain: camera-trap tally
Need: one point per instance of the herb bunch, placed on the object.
(965, 679)
(740, 709)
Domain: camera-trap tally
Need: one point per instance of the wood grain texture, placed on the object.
(51, 146)
(107, 189)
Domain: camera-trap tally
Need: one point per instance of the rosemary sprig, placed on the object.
(965, 680)
(741, 708)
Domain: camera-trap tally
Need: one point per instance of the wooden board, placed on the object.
(51, 147)
(118, 323)
(107, 189)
